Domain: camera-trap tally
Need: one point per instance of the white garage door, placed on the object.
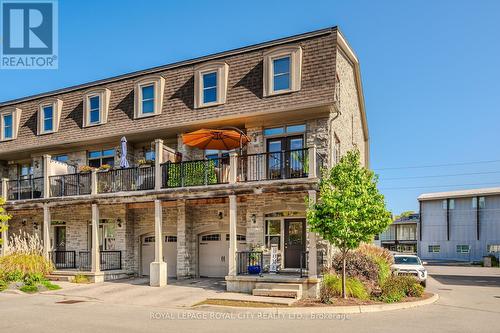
(169, 254)
(213, 253)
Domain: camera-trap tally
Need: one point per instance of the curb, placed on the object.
(326, 309)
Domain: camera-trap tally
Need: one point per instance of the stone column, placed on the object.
(233, 168)
(158, 268)
(183, 262)
(312, 236)
(93, 182)
(232, 235)
(47, 172)
(5, 234)
(312, 162)
(95, 255)
(5, 241)
(158, 162)
(46, 230)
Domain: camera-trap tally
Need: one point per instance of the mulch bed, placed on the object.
(310, 302)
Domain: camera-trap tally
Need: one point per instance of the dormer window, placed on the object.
(47, 118)
(282, 70)
(210, 87)
(9, 123)
(96, 105)
(149, 96)
(210, 84)
(49, 114)
(281, 74)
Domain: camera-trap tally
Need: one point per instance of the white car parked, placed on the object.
(405, 264)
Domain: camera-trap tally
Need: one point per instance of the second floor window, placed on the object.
(148, 99)
(210, 87)
(98, 158)
(281, 74)
(7, 126)
(48, 118)
(25, 171)
(94, 109)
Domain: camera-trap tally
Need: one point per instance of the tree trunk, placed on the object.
(343, 275)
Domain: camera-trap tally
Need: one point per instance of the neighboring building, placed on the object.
(299, 100)
(401, 235)
(460, 225)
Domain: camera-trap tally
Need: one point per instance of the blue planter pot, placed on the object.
(254, 269)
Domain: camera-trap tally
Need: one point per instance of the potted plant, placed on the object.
(142, 162)
(254, 260)
(104, 167)
(86, 168)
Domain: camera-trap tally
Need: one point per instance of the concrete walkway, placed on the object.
(177, 294)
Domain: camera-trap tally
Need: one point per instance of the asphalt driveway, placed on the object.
(469, 302)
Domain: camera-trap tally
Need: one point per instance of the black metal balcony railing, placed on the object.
(195, 173)
(273, 165)
(109, 260)
(126, 179)
(63, 259)
(23, 189)
(249, 262)
(304, 263)
(70, 185)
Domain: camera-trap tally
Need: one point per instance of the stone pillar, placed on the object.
(312, 236)
(312, 162)
(232, 235)
(233, 167)
(5, 241)
(46, 230)
(47, 172)
(5, 188)
(95, 255)
(93, 182)
(158, 162)
(158, 268)
(183, 262)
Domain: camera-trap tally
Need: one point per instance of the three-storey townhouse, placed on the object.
(181, 211)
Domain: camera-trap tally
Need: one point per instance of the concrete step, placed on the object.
(277, 285)
(59, 277)
(287, 293)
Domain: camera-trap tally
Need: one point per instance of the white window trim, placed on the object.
(104, 98)
(159, 87)
(56, 115)
(295, 54)
(16, 117)
(222, 70)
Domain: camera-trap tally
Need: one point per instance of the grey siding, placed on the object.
(463, 229)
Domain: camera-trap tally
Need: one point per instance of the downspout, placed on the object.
(477, 219)
(447, 219)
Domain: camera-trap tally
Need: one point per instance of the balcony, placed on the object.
(235, 169)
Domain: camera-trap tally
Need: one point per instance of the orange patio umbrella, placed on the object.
(220, 139)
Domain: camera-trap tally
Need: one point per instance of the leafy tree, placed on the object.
(350, 209)
(404, 214)
(4, 218)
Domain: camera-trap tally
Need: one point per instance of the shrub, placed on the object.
(3, 285)
(80, 278)
(27, 288)
(359, 266)
(399, 287)
(25, 257)
(34, 279)
(384, 270)
(332, 287)
(373, 251)
(50, 286)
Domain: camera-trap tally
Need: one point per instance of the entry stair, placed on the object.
(287, 290)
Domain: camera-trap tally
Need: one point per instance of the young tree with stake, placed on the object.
(350, 209)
